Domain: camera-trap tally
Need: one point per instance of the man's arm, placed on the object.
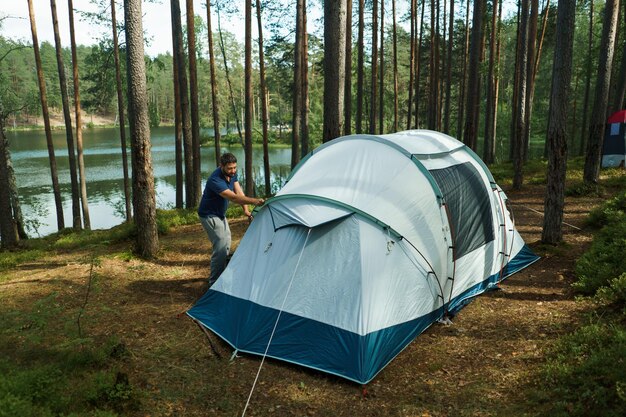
(238, 197)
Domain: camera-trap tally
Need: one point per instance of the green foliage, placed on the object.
(584, 189)
(55, 373)
(10, 260)
(604, 261)
(70, 239)
(167, 219)
(587, 373)
(613, 211)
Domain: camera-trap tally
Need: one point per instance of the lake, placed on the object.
(104, 175)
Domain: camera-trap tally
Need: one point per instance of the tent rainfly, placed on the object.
(614, 146)
(371, 240)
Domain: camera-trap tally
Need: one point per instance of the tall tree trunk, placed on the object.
(194, 198)
(489, 149)
(589, 62)
(184, 104)
(46, 119)
(374, 88)
(600, 104)
(557, 123)
(214, 88)
(530, 82)
(463, 85)
(296, 119)
(264, 104)
(18, 217)
(494, 115)
(120, 109)
(520, 127)
(395, 68)
(334, 67)
(473, 91)
(360, 72)
(347, 100)
(381, 94)
(412, 20)
(227, 71)
(304, 108)
(76, 221)
(144, 202)
(178, 131)
(432, 69)
(79, 122)
(620, 92)
(249, 185)
(417, 67)
(8, 230)
(446, 112)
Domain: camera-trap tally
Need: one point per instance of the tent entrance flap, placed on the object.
(305, 212)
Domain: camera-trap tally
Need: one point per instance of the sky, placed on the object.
(156, 22)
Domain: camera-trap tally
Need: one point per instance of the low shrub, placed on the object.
(587, 373)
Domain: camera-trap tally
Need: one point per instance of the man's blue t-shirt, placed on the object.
(212, 203)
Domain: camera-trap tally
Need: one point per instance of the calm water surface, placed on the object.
(104, 175)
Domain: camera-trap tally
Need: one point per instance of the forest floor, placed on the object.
(484, 364)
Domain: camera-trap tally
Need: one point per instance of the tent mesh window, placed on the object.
(469, 204)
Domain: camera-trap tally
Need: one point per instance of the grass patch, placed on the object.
(56, 373)
(586, 372)
(11, 259)
(605, 260)
(587, 375)
(167, 219)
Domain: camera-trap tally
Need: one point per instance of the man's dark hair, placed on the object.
(227, 158)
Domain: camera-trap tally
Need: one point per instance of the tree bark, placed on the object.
(557, 123)
(446, 112)
(214, 88)
(178, 125)
(76, 220)
(381, 94)
(473, 91)
(417, 67)
(334, 68)
(530, 81)
(360, 72)
(144, 203)
(8, 230)
(304, 78)
(412, 20)
(347, 100)
(296, 118)
(600, 104)
(194, 108)
(520, 127)
(249, 184)
(79, 122)
(184, 105)
(620, 89)
(120, 108)
(374, 88)
(463, 84)
(230, 85)
(589, 61)
(46, 119)
(489, 149)
(395, 68)
(264, 104)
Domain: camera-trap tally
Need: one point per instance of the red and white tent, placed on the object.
(614, 147)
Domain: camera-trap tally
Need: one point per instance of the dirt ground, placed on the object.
(481, 365)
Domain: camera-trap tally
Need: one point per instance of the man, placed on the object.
(222, 187)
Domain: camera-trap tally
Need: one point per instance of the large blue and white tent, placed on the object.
(371, 240)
